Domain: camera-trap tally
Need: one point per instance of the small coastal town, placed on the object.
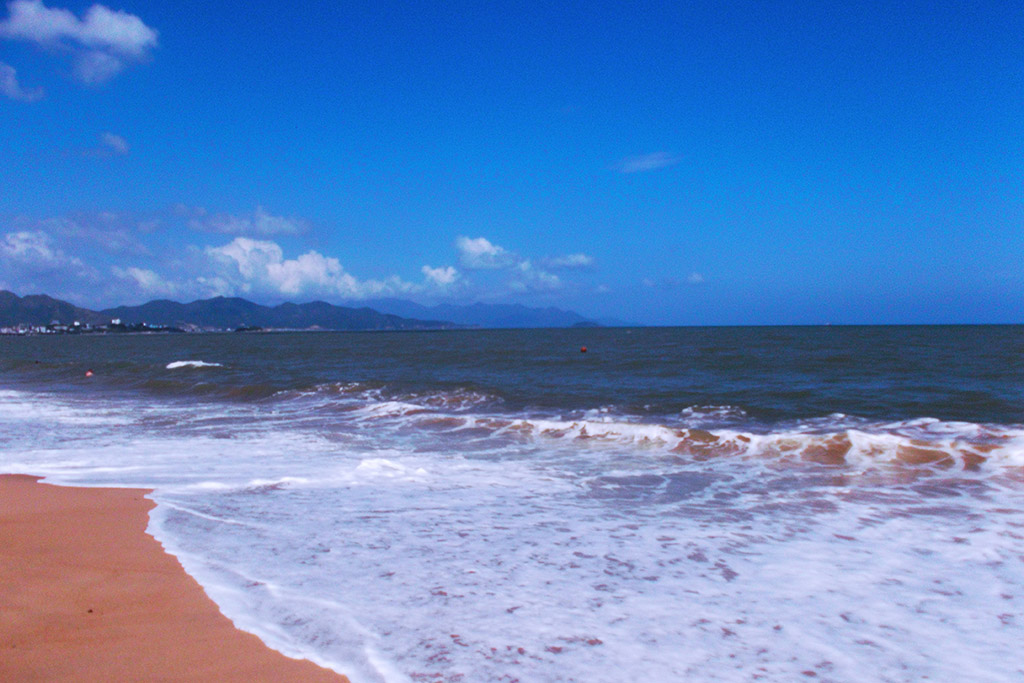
(115, 326)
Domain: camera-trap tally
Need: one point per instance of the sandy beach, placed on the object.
(87, 595)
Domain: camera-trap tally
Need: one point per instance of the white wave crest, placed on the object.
(192, 364)
(832, 441)
(382, 467)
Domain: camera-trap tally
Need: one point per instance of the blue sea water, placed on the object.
(673, 504)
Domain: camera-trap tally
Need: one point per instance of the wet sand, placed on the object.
(87, 595)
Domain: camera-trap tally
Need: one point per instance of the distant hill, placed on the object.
(220, 312)
(486, 315)
(39, 309)
(232, 312)
(223, 312)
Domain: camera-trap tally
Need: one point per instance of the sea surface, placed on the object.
(713, 504)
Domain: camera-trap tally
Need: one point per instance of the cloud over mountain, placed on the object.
(246, 265)
(119, 256)
(478, 253)
(522, 274)
(441, 277)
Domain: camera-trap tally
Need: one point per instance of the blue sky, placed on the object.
(664, 163)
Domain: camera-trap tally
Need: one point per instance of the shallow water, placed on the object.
(717, 504)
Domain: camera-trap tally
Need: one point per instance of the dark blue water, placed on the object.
(966, 373)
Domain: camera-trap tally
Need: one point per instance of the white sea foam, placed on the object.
(402, 541)
(22, 408)
(175, 365)
(382, 467)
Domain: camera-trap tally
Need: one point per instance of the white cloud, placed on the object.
(30, 259)
(102, 28)
(106, 255)
(110, 145)
(646, 162)
(116, 143)
(480, 254)
(117, 30)
(111, 232)
(253, 266)
(34, 246)
(214, 286)
(103, 42)
(531, 279)
(95, 67)
(441, 277)
(570, 261)
(9, 86)
(258, 223)
(260, 269)
(695, 278)
(251, 256)
(32, 263)
(521, 274)
(310, 271)
(146, 281)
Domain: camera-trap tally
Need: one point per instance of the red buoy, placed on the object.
(583, 349)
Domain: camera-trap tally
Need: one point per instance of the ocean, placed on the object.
(714, 504)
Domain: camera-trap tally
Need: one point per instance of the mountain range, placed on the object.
(223, 312)
(39, 309)
(484, 315)
(230, 313)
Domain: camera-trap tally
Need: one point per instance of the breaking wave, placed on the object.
(192, 364)
(699, 433)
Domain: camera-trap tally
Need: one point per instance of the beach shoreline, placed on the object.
(87, 594)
